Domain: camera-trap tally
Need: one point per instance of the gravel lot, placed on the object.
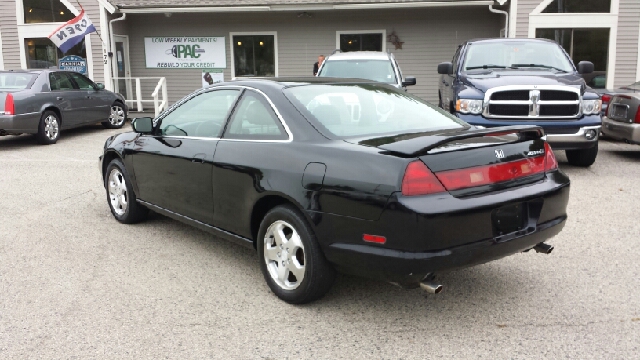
(74, 283)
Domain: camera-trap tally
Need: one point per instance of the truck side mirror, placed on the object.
(142, 125)
(409, 80)
(585, 67)
(445, 68)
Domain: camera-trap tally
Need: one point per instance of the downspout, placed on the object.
(112, 43)
(506, 19)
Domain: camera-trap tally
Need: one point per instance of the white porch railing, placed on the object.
(159, 97)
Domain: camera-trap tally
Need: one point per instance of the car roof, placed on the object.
(501, 40)
(359, 55)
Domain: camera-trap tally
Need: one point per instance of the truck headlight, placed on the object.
(591, 106)
(467, 106)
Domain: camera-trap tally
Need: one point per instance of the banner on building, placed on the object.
(212, 76)
(73, 32)
(73, 63)
(185, 52)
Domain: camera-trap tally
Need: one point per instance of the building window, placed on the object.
(254, 55)
(44, 11)
(43, 54)
(361, 42)
(578, 6)
(584, 45)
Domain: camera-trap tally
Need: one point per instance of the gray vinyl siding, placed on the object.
(627, 43)
(430, 36)
(10, 44)
(525, 7)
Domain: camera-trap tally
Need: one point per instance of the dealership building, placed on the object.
(163, 49)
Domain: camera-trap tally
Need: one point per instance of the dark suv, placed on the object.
(498, 82)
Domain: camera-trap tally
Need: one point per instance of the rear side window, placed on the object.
(60, 81)
(254, 119)
(15, 81)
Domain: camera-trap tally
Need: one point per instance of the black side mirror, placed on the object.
(100, 86)
(408, 81)
(585, 67)
(142, 125)
(445, 68)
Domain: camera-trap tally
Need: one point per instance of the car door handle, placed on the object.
(198, 158)
(59, 98)
(89, 97)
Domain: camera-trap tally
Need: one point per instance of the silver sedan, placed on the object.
(44, 102)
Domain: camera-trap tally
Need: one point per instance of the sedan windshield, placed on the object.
(511, 54)
(376, 70)
(15, 81)
(363, 110)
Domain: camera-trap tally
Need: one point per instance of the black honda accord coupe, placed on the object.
(323, 175)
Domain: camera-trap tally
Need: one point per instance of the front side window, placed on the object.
(203, 115)
(44, 11)
(254, 119)
(578, 6)
(362, 110)
(60, 81)
(82, 81)
(254, 55)
(361, 42)
(515, 55)
(376, 70)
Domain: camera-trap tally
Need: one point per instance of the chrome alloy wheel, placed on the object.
(284, 255)
(118, 192)
(51, 128)
(117, 115)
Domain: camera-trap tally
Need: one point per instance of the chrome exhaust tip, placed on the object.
(543, 248)
(431, 287)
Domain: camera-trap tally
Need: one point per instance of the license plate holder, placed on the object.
(619, 111)
(509, 219)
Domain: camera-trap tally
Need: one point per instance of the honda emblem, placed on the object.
(499, 154)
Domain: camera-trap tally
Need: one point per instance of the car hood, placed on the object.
(487, 79)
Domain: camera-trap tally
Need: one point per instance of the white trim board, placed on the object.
(275, 48)
(380, 31)
(513, 18)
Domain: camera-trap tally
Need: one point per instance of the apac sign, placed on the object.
(185, 52)
(73, 63)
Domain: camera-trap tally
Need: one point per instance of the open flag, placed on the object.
(70, 34)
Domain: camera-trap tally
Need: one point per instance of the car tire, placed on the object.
(582, 157)
(293, 254)
(117, 117)
(120, 195)
(48, 128)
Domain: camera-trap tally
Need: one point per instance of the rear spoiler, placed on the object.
(420, 144)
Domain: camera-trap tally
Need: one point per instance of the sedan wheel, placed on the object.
(118, 192)
(49, 128)
(284, 255)
(117, 117)
(291, 260)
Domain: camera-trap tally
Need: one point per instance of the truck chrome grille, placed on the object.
(533, 102)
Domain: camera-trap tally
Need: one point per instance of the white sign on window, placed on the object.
(185, 52)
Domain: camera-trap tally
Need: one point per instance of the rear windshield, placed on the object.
(376, 70)
(15, 81)
(363, 110)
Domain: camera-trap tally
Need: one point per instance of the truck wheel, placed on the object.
(583, 157)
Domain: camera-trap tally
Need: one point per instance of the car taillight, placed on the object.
(9, 107)
(490, 174)
(637, 118)
(419, 180)
(606, 98)
(550, 162)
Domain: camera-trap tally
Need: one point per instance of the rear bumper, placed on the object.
(435, 233)
(622, 131)
(22, 123)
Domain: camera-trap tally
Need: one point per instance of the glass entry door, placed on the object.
(121, 62)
